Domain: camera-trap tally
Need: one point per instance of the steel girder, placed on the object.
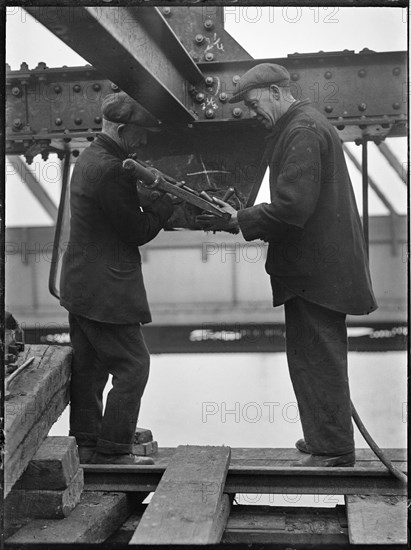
(362, 94)
(134, 47)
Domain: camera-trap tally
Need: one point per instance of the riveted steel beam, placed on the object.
(135, 48)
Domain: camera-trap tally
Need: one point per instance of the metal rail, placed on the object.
(261, 480)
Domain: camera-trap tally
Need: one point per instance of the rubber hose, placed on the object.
(374, 447)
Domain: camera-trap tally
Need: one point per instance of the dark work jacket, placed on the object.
(101, 275)
(316, 246)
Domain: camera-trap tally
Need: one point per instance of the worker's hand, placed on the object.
(209, 222)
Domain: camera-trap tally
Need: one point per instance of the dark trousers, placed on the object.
(316, 340)
(100, 349)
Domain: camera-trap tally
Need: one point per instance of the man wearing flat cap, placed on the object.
(102, 285)
(316, 259)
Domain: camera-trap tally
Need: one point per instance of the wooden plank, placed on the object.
(37, 398)
(188, 506)
(45, 503)
(287, 526)
(53, 466)
(376, 519)
(92, 521)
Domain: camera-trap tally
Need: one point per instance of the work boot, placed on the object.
(326, 461)
(302, 446)
(85, 454)
(127, 459)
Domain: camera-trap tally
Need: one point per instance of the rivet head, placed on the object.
(75, 153)
(57, 89)
(362, 106)
(114, 87)
(17, 123)
(96, 87)
(295, 76)
(328, 109)
(58, 122)
(90, 138)
(78, 121)
(361, 73)
(200, 97)
(77, 88)
(97, 119)
(166, 11)
(396, 71)
(328, 75)
(209, 113)
(16, 91)
(199, 38)
(237, 112)
(396, 105)
(209, 81)
(236, 78)
(223, 97)
(340, 127)
(209, 56)
(208, 24)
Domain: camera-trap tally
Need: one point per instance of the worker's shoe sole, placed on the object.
(324, 461)
(302, 446)
(127, 459)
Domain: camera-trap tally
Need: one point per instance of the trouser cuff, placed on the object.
(84, 439)
(111, 448)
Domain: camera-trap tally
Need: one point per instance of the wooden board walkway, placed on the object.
(193, 502)
(189, 506)
(33, 402)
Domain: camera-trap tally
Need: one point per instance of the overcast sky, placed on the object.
(263, 32)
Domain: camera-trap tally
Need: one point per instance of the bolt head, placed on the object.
(199, 38)
(208, 24)
(328, 75)
(236, 78)
(166, 11)
(223, 97)
(295, 77)
(328, 109)
(78, 121)
(200, 97)
(396, 105)
(97, 119)
(96, 87)
(209, 81)
(58, 122)
(361, 73)
(209, 56)
(16, 91)
(77, 88)
(237, 112)
(57, 89)
(75, 153)
(362, 107)
(396, 71)
(17, 123)
(209, 113)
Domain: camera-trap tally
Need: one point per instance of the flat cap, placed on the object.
(123, 109)
(260, 76)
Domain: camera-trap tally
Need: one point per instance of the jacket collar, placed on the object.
(105, 141)
(282, 122)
